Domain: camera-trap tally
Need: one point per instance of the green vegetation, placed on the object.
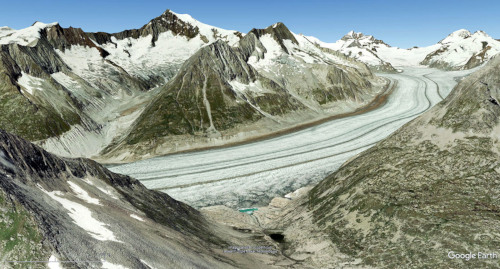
(20, 238)
(21, 116)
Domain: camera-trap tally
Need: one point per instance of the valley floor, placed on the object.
(252, 174)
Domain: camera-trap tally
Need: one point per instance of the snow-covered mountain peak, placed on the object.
(278, 24)
(25, 37)
(480, 33)
(463, 50)
(359, 39)
(459, 50)
(211, 32)
(361, 47)
(42, 25)
(354, 35)
(277, 32)
(156, 50)
(456, 36)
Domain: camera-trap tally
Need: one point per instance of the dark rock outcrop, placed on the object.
(279, 32)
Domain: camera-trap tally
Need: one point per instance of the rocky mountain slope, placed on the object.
(76, 210)
(76, 93)
(429, 189)
(458, 51)
(268, 74)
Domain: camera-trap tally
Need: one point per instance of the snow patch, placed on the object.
(210, 129)
(148, 264)
(82, 194)
(82, 217)
(83, 61)
(136, 217)
(54, 263)
(65, 80)
(108, 192)
(30, 83)
(108, 265)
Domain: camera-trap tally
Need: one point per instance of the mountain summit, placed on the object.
(456, 36)
(459, 50)
(259, 81)
(463, 50)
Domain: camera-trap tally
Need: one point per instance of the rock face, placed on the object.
(427, 190)
(76, 93)
(77, 210)
(25, 111)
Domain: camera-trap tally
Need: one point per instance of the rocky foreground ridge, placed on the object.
(76, 210)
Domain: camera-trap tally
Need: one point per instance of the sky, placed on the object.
(399, 23)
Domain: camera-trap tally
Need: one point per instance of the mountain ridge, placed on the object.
(255, 81)
(109, 79)
(454, 52)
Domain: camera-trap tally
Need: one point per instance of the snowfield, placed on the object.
(26, 37)
(252, 174)
(82, 216)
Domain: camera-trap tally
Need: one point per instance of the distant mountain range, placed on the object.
(177, 83)
(459, 50)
